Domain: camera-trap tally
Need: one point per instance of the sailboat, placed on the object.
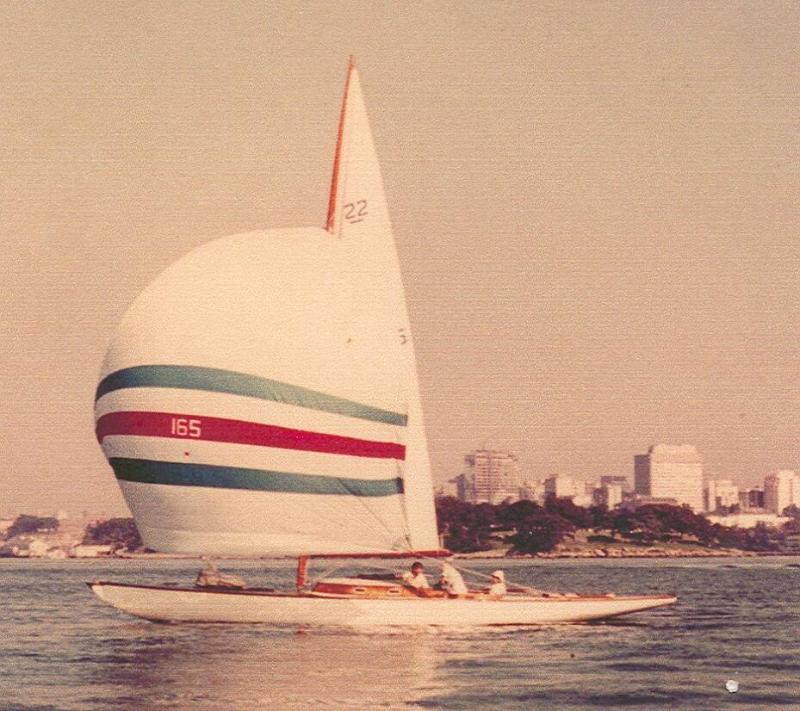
(260, 398)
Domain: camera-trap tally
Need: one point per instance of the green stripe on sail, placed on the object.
(210, 475)
(189, 377)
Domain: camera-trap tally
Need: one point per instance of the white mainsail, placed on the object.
(260, 396)
(358, 215)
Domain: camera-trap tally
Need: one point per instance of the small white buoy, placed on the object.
(732, 685)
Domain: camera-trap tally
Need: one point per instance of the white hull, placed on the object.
(163, 604)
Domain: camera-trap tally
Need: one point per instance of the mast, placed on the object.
(334, 194)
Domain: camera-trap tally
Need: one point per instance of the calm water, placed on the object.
(62, 649)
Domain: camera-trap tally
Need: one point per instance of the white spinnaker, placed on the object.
(226, 522)
(274, 305)
(359, 218)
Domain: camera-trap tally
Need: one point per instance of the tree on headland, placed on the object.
(32, 524)
(540, 533)
(791, 527)
(532, 528)
(578, 516)
(512, 515)
(466, 527)
(792, 511)
(118, 533)
(647, 526)
(759, 539)
(621, 521)
(601, 517)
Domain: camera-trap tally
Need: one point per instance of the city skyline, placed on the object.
(667, 474)
(491, 476)
(443, 485)
(598, 242)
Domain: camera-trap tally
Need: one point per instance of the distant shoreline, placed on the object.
(650, 553)
(616, 554)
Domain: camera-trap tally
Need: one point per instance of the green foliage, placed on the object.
(661, 522)
(729, 536)
(512, 515)
(792, 527)
(116, 532)
(793, 511)
(578, 516)
(759, 539)
(31, 524)
(466, 527)
(531, 528)
(540, 533)
(601, 517)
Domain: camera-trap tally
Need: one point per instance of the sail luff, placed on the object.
(333, 200)
(418, 487)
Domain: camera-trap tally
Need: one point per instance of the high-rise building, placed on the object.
(719, 493)
(608, 494)
(532, 491)
(584, 495)
(491, 476)
(781, 489)
(565, 487)
(752, 499)
(670, 471)
(622, 481)
(562, 487)
(463, 488)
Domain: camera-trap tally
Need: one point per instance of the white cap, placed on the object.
(500, 575)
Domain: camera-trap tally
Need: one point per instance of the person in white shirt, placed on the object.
(415, 578)
(451, 580)
(498, 586)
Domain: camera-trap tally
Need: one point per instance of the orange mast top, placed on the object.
(338, 155)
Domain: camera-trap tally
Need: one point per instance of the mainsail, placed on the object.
(260, 397)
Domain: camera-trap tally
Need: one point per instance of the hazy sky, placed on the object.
(596, 207)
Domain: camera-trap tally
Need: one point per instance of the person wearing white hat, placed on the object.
(498, 587)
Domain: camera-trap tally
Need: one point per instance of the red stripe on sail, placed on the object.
(217, 429)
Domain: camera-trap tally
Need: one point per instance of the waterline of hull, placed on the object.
(165, 604)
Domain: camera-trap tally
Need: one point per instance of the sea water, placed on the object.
(731, 641)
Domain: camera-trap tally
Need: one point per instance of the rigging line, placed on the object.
(380, 566)
(383, 524)
(334, 204)
(534, 591)
(401, 474)
(339, 566)
(478, 574)
(343, 169)
(325, 574)
(403, 503)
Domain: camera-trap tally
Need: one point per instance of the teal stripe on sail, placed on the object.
(190, 377)
(210, 475)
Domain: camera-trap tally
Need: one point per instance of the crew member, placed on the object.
(415, 578)
(498, 587)
(451, 581)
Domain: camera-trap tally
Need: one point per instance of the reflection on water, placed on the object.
(62, 649)
(254, 667)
